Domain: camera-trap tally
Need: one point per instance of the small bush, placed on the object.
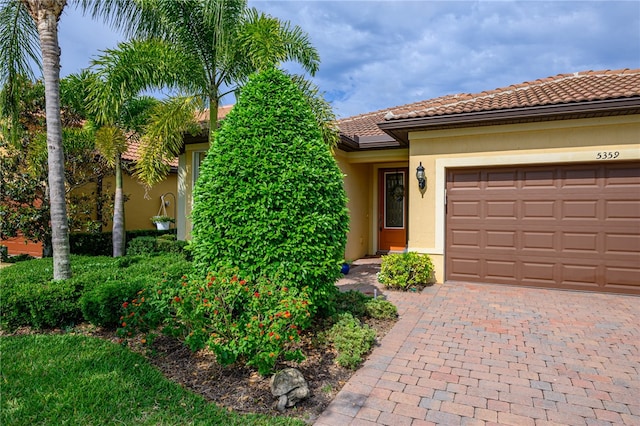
(171, 246)
(353, 302)
(151, 245)
(406, 271)
(101, 244)
(31, 298)
(142, 246)
(380, 309)
(351, 339)
(255, 323)
(19, 258)
(102, 305)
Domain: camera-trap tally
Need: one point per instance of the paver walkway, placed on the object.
(488, 354)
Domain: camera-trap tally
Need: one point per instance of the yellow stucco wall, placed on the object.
(186, 181)
(357, 181)
(561, 142)
(361, 185)
(141, 204)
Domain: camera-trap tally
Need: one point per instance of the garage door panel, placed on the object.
(507, 179)
(465, 209)
(622, 209)
(579, 209)
(501, 209)
(622, 176)
(500, 269)
(501, 239)
(580, 242)
(539, 273)
(468, 180)
(466, 268)
(584, 275)
(580, 178)
(466, 238)
(622, 245)
(538, 209)
(538, 240)
(622, 277)
(570, 227)
(538, 179)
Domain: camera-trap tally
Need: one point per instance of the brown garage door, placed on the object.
(570, 227)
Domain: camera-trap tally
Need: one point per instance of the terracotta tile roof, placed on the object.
(559, 89)
(132, 153)
(362, 125)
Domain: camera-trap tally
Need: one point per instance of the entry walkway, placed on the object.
(487, 354)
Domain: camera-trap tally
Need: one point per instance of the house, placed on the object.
(533, 184)
(142, 203)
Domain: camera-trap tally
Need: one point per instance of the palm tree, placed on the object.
(206, 49)
(18, 33)
(115, 128)
(44, 22)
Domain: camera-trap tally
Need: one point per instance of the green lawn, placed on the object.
(77, 380)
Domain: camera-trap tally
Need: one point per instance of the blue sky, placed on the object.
(378, 54)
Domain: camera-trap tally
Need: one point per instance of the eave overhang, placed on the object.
(368, 143)
(399, 129)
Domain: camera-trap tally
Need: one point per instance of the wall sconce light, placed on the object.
(422, 179)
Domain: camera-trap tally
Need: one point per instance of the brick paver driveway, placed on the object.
(488, 354)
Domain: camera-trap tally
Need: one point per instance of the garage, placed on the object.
(555, 226)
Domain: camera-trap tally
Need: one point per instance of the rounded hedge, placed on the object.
(269, 199)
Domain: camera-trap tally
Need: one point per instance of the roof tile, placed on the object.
(560, 89)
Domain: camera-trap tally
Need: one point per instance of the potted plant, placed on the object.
(162, 222)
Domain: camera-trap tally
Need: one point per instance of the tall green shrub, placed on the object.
(269, 199)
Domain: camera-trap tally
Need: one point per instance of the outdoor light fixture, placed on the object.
(422, 180)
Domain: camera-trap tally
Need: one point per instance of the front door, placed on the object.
(392, 210)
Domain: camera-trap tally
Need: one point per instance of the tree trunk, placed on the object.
(118, 212)
(46, 14)
(214, 104)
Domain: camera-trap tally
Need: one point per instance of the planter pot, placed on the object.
(345, 268)
(163, 226)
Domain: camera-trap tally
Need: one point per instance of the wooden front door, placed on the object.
(392, 209)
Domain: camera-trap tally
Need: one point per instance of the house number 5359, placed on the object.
(607, 155)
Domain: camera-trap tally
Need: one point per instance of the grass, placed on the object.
(78, 380)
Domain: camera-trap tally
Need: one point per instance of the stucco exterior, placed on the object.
(564, 121)
(141, 203)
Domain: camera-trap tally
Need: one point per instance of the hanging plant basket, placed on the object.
(162, 222)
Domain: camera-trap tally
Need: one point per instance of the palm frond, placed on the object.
(136, 66)
(19, 51)
(19, 42)
(124, 15)
(267, 41)
(162, 139)
(322, 110)
(110, 142)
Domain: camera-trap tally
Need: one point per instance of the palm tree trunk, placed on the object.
(213, 115)
(118, 212)
(46, 14)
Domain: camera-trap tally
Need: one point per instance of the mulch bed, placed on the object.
(239, 388)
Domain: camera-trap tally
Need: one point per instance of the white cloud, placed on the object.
(377, 54)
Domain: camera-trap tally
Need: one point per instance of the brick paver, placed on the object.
(489, 354)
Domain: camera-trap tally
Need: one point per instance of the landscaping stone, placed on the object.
(290, 387)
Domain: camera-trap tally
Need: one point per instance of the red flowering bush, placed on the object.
(256, 322)
(252, 322)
